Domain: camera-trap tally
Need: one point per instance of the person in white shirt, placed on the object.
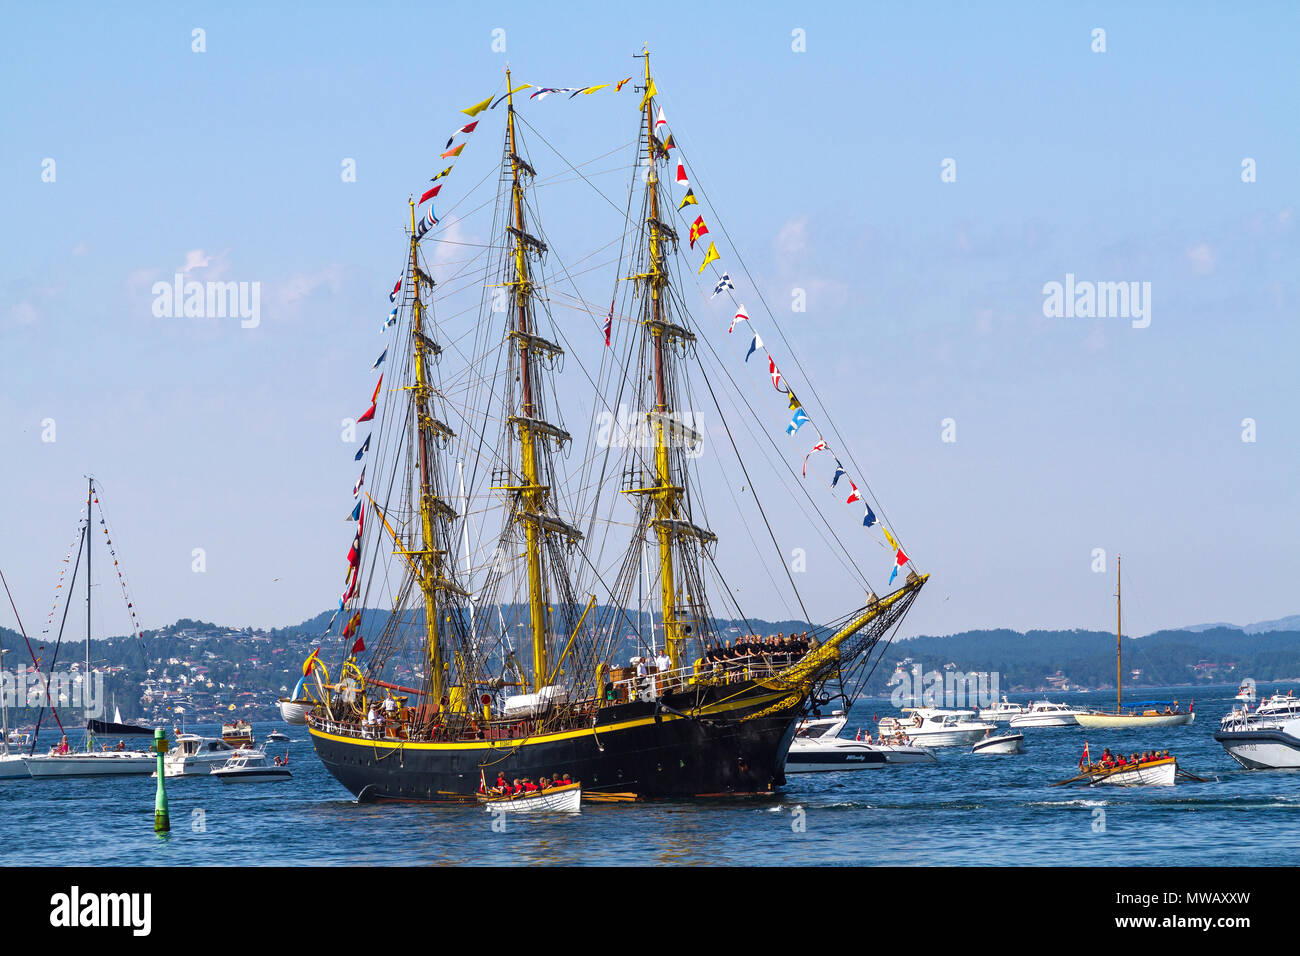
(663, 662)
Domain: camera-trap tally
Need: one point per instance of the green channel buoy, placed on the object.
(161, 819)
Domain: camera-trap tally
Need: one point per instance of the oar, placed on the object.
(1061, 783)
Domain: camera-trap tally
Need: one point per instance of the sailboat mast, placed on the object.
(666, 491)
(1119, 626)
(532, 491)
(430, 576)
(90, 494)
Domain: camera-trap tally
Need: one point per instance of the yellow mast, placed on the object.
(665, 492)
(430, 557)
(1119, 650)
(532, 491)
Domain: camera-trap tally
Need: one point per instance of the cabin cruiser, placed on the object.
(193, 755)
(1002, 711)
(818, 746)
(1267, 739)
(1043, 713)
(1246, 693)
(250, 766)
(11, 760)
(936, 727)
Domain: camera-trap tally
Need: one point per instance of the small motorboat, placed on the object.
(247, 767)
(565, 799)
(1004, 744)
(278, 736)
(1246, 692)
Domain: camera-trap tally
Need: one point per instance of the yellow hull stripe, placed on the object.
(389, 743)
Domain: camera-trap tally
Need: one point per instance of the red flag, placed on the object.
(467, 128)
(430, 194)
(772, 371)
(698, 228)
(359, 646)
(853, 494)
(375, 397)
(820, 446)
(900, 558)
(368, 414)
(353, 623)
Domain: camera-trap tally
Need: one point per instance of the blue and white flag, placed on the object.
(380, 361)
(800, 419)
(392, 320)
(754, 346)
(869, 518)
(427, 223)
(723, 285)
(392, 296)
(356, 513)
(365, 447)
(839, 473)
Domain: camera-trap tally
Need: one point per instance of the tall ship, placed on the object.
(519, 602)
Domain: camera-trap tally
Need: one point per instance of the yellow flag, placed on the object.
(688, 200)
(592, 89)
(477, 107)
(794, 402)
(710, 256)
(649, 92)
(892, 543)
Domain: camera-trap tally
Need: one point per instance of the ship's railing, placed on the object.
(654, 683)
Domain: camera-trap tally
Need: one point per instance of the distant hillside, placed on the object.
(1291, 623)
(1043, 659)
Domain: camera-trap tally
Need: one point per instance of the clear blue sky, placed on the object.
(925, 297)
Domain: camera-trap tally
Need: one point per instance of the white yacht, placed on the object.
(1246, 692)
(1004, 744)
(1043, 713)
(1004, 710)
(1267, 739)
(193, 755)
(936, 727)
(90, 763)
(818, 746)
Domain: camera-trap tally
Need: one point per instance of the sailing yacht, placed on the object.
(62, 761)
(1143, 714)
(513, 665)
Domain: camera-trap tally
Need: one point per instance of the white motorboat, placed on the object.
(1003, 711)
(566, 799)
(193, 755)
(1246, 692)
(107, 763)
(936, 727)
(818, 747)
(250, 766)
(1268, 739)
(1004, 744)
(1043, 713)
(277, 736)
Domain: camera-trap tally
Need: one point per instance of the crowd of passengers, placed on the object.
(775, 650)
(521, 785)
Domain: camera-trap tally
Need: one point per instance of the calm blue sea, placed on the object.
(963, 810)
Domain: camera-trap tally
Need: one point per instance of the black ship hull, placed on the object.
(683, 747)
(106, 728)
